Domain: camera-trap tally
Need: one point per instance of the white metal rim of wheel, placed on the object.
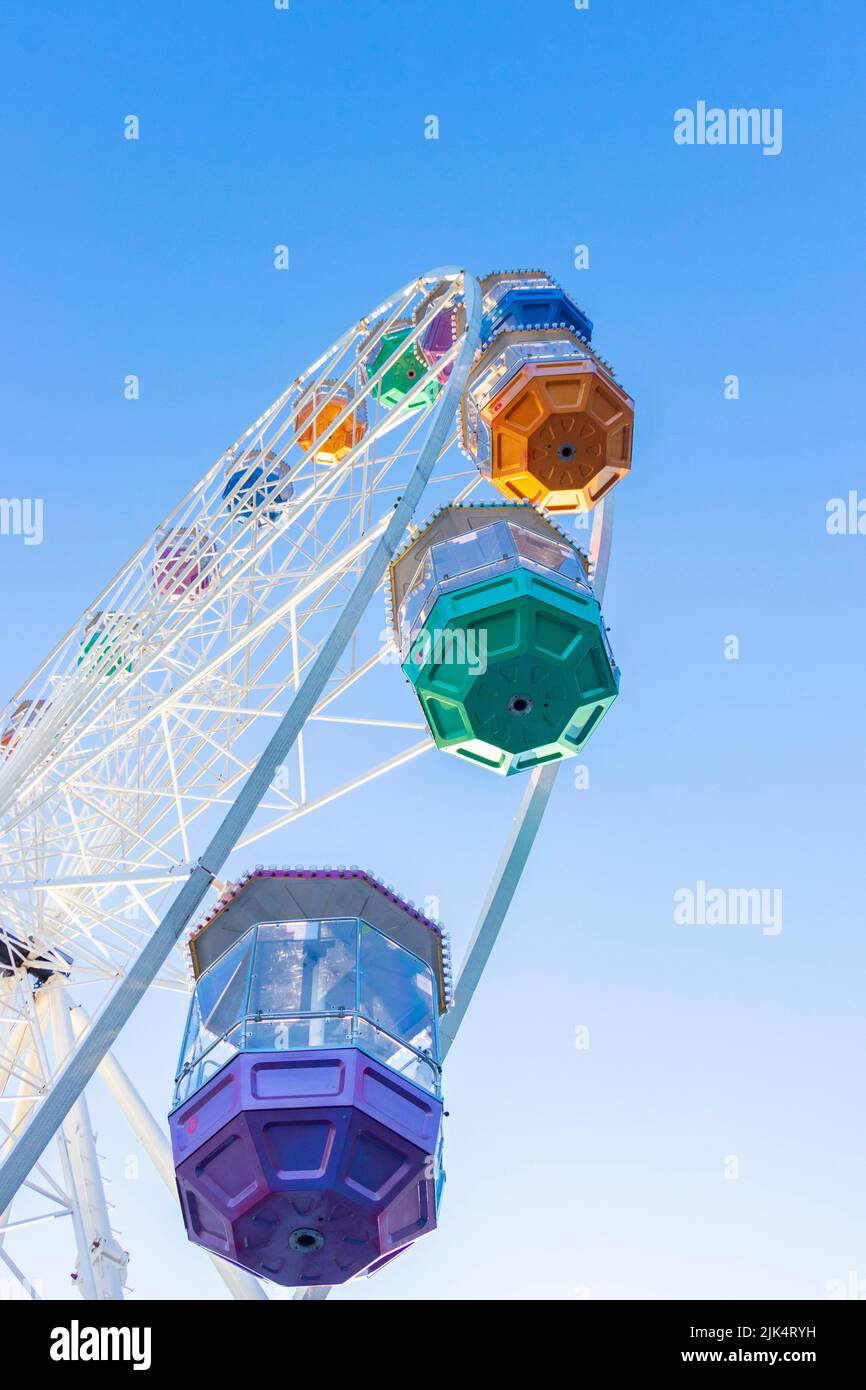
(117, 768)
(106, 789)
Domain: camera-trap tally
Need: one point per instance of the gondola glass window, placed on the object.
(296, 985)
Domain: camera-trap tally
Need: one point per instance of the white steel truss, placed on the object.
(126, 748)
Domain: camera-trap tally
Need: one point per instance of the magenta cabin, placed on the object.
(184, 565)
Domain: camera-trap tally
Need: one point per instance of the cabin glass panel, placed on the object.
(297, 985)
(218, 1001)
(304, 967)
(541, 552)
(414, 607)
(396, 990)
(475, 551)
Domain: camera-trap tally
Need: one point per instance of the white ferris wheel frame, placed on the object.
(68, 859)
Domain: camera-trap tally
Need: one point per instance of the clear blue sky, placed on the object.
(602, 1170)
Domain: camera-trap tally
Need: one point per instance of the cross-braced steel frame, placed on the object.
(183, 718)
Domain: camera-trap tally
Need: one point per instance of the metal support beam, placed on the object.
(523, 830)
(39, 1015)
(158, 1149)
(74, 1076)
(106, 1257)
(499, 895)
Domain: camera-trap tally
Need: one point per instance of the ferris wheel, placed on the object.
(233, 678)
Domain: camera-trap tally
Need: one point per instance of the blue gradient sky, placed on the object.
(571, 1173)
